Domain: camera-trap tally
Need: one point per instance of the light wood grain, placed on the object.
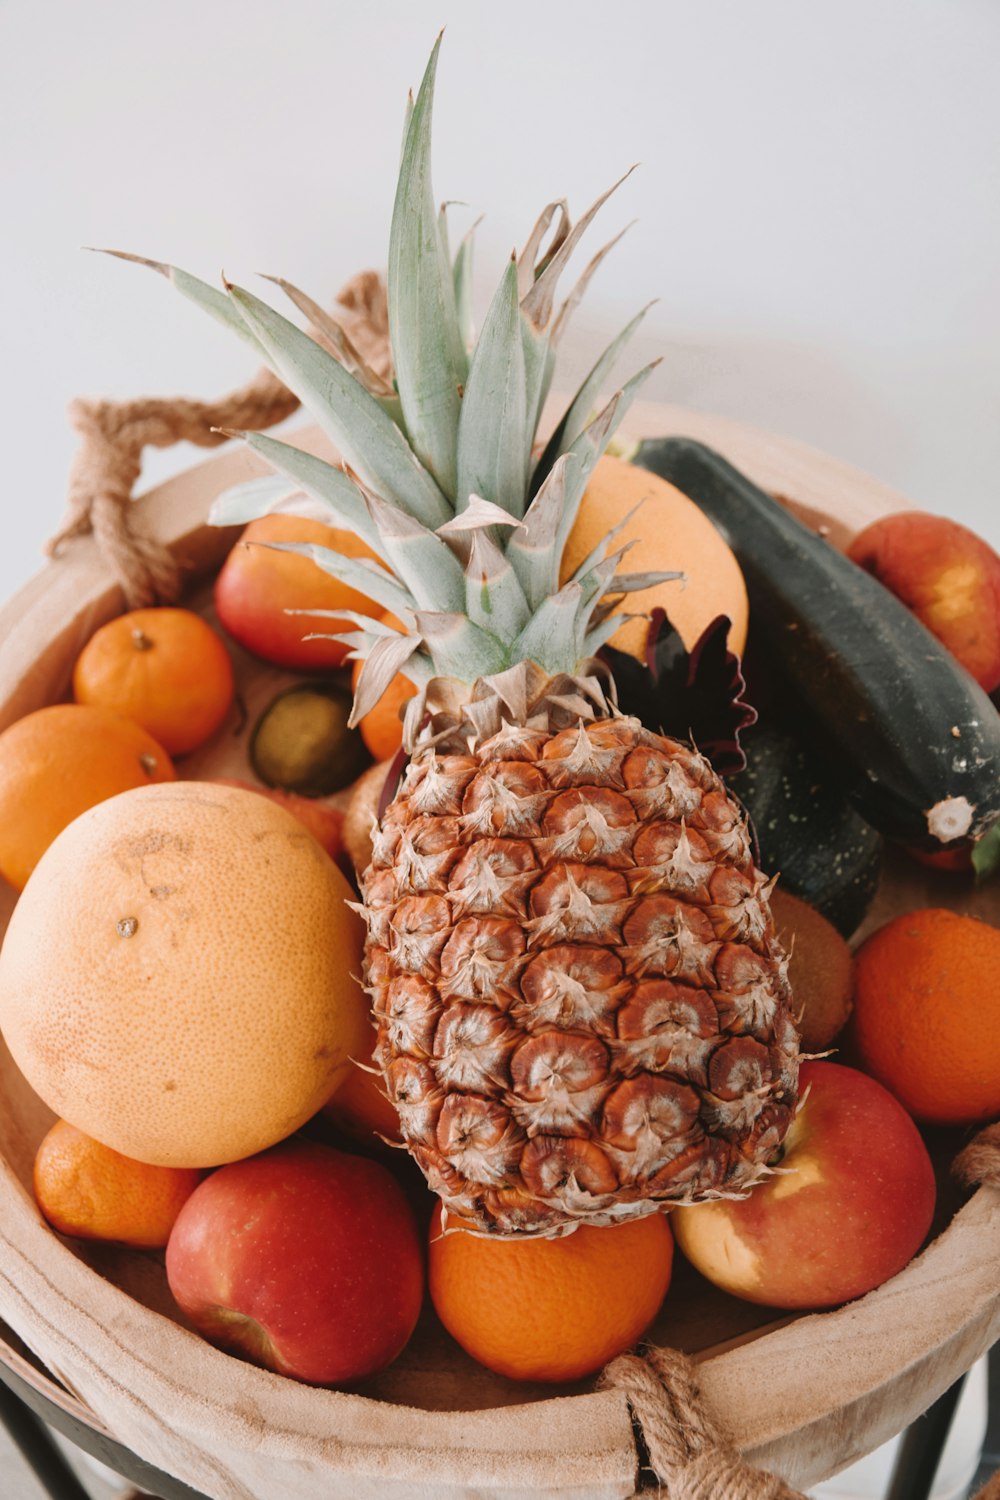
(804, 1395)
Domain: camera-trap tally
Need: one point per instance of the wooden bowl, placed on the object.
(803, 1396)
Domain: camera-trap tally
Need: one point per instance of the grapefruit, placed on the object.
(177, 977)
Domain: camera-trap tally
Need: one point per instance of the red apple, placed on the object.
(850, 1207)
(304, 1259)
(258, 584)
(948, 576)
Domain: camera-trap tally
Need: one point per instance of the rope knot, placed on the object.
(691, 1458)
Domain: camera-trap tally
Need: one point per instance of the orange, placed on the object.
(56, 763)
(258, 584)
(541, 1309)
(927, 1015)
(87, 1190)
(381, 728)
(670, 533)
(165, 669)
(177, 978)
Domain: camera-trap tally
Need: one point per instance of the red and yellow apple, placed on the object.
(948, 576)
(258, 584)
(304, 1259)
(851, 1203)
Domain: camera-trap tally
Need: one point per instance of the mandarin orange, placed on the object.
(926, 1018)
(87, 1190)
(165, 669)
(550, 1309)
(56, 763)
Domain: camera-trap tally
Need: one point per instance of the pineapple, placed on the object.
(582, 1008)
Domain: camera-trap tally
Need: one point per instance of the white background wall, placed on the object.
(818, 201)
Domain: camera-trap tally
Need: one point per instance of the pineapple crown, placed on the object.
(443, 478)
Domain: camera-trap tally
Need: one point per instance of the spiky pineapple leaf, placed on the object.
(463, 281)
(578, 413)
(478, 515)
(428, 352)
(579, 290)
(252, 499)
(359, 573)
(386, 658)
(600, 633)
(494, 598)
(553, 636)
(209, 298)
(529, 264)
(458, 647)
(361, 644)
(584, 453)
(351, 417)
(420, 559)
(537, 303)
(605, 545)
(371, 624)
(493, 438)
(337, 338)
(532, 549)
(335, 493)
(696, 695)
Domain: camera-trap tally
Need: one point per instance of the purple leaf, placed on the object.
(696, 695)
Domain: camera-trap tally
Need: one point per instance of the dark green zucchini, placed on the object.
(807, 831)
(916, 739)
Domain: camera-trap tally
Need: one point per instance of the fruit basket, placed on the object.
(800, 1395)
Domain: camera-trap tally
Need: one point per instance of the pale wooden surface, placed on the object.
(805, 1396)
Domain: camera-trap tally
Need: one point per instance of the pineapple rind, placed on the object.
(583, 1011)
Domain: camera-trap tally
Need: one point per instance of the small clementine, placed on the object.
(926, 1018)
(360, 1107)
(165, 669)
(550, 1310)
(87, 1190)
(56, 763)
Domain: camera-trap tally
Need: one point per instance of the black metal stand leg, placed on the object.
(39, 1448)
(921, 1448)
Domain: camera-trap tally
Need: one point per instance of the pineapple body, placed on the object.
(582, 1008)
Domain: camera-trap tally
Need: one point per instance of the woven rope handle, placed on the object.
(108, 461)
(687, 1452)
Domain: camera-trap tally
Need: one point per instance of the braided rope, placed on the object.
(691, 1459)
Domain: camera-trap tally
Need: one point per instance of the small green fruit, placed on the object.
(301, 742)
